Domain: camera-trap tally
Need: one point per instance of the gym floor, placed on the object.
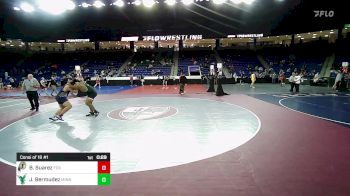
(262, 141)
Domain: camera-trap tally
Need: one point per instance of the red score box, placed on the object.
(104, 167)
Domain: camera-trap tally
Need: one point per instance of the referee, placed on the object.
(31, 86)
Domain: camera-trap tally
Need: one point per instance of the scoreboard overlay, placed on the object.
(63, 169)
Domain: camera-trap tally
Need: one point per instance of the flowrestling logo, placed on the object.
(324, 13)
(172, 37)
(143, 112)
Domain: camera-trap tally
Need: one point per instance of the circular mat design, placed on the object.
(142, 112)
(199, 129)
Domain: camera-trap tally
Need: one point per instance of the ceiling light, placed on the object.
(55, 6)
(27, 7)
(99, 4)
(119, 3)
(187, 2)
(218, 2)
(85, 5)
(137, 2)
(148, 3)
(237, 1)
(170, 2)
(248, 1)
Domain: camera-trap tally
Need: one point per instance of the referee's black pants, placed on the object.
(33, 96)
(292, 85)
(297, 88)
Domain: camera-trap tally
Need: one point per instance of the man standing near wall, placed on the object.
(31, 86)
(131, 80)
(182, 81)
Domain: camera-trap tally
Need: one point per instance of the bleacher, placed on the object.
(8, 63)
(289, 59)
(150, 63)
(99, 62)
(45, 64)
(310, 64)
(190, 57)
(238, 60)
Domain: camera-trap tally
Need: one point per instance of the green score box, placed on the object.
(104, 179)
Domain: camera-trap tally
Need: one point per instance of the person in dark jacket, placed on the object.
(182, 81)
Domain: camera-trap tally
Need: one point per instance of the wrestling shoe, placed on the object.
(53, 118)
(56, 118)
(90, 114)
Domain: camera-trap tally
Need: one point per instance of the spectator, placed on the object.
(253, 79)
(142, 80)
(53, 85)
(165, 81)
(43, 86)
(273, 77)
(1, 84)
(97, 81)
(281, 77)
(241, 73)
(235, 77)
(338, 78)
(316, 77)
(182, 81)
(12, 82)
(131, 80)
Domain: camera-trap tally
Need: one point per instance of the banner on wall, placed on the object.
(129, 39)
(246, 35)
(72, 40)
